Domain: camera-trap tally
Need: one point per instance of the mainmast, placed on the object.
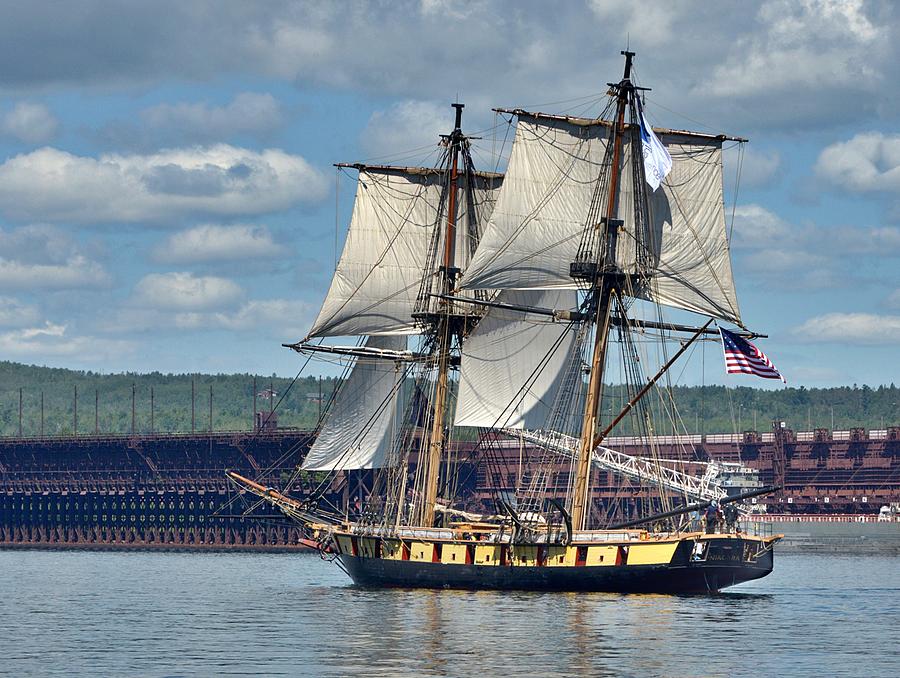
(603, 280)
(445, 328)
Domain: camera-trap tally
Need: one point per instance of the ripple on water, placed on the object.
(174, 614)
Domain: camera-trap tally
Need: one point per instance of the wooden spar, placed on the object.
(600, 122)
(444, 336)
(665, 368)
(603, 292)
(568, 315)
(583, 468)
(357, 351)
(421, 171)
(261, 490)
(450, 237)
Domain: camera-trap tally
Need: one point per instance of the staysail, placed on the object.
(380, 271)
(540, 215)
(512, 362)
(357, 431)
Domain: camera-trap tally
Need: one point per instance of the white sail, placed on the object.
(540, 215)
(380, 271)
(512, 362)
(357, 431)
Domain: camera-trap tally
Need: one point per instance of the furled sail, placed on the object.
(512, 363)
(357, 431)
(380, 271)
(540, 215)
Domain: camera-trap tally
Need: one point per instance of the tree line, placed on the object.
(163, 404)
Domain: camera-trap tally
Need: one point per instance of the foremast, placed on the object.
(602, 280)
(445, 328)
(443, 324)
(411, 232)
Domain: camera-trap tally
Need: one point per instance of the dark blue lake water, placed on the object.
(176, 614)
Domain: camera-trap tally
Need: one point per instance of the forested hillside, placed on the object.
(717, 409)
(708, 409)
(232, 400)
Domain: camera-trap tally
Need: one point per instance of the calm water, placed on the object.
(170, 614)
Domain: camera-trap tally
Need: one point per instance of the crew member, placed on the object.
(712, 517)
(695, 520)
(731, 516)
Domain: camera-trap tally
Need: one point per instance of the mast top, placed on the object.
(625, 83)
(458, 108)
(629, 56)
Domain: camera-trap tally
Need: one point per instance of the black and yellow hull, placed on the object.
(688, 564)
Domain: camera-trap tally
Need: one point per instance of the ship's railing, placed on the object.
(725, 438)
(810, 518)
(90, 437)
(756, 528)
(636, 468)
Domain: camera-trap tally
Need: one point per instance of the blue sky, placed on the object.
(167, 200)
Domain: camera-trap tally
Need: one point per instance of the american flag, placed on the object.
(743, 357)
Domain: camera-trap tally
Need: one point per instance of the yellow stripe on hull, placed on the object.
(421, 551)
(392, 549)
(454, 554)
(490, 554)
(561, 556)
(487, 554)
(525, 556)
(651, 554)
(601, 555)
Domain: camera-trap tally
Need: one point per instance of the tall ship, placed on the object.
(495, 307)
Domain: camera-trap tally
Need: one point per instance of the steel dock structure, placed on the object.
(170, 491)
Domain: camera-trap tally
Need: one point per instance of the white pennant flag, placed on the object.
(657, 161)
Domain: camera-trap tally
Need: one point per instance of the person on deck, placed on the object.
(731, 517)
(695, 520)
(712, 517)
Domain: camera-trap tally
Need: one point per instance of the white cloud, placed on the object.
(757, 168)
(247, 113)
(13, 313)
(281, 317)
(893, 300)
(776, 63)
(776, 260)
(807, 44)
(212, 243)
(442, 9)
(37, 243)
(77, 272)
(650, 21)
(790, 268)
(285, 46)
(410, 125)
(284, 319)
(53, 340)
(53, 185)
(185, 292)
(806, 256)
(41, 256)
(867, 162)
(31, 123)
(850, 328)
(755, 226)
(875, 241)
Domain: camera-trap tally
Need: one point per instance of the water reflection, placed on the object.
(169, 614)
